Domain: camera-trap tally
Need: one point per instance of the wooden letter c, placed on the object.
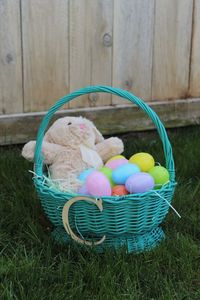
(65, 219)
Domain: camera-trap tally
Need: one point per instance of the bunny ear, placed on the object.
(98, 136)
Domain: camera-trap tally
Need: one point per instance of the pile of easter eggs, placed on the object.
(120, 176)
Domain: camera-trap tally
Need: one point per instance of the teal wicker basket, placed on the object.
(130, 221)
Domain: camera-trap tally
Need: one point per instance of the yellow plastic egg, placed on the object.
(143, 160)
(115, 157)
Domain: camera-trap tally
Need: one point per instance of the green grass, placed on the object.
(33, 266)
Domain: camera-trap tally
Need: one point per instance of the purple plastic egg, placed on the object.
(83, 190)
(113, 164)
(139, 183)
(98, 184)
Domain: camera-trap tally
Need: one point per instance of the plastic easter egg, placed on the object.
(83, 190)
(108, 173)
(119, 190)
(98, 184)
(121, 173)
(139, 183)
(116, 157)
(113, 164)
(160, 175)
(143, 160)
(82, 177)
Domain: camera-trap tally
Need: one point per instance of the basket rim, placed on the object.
(39, 182)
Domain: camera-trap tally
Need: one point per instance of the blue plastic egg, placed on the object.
(82, 177)
(121, 173)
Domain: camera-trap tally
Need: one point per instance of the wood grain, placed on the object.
(11, 94)
(45, 50)
(133, 45)
(91, 48)
(195, 58)
(20, 128)
(173, 24)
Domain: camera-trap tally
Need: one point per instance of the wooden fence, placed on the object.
(51, 47)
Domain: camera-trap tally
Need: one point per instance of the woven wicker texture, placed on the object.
(131, 219)
(132, 243)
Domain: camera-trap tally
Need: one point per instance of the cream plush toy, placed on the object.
(71, 145)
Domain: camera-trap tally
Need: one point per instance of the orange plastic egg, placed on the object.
(119, 190)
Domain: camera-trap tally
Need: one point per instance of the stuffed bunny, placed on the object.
(71, 145)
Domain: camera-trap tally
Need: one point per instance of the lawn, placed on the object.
(33, 266)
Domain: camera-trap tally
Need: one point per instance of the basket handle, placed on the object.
(38, 159)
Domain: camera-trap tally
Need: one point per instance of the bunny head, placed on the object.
(73, 131)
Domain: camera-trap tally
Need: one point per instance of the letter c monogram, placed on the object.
(65, 219)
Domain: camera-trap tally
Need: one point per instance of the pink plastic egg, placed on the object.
(139, 183)
(113, 164)
(98, 184)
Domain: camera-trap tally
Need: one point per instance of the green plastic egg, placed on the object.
(108, 173)
(160, 175)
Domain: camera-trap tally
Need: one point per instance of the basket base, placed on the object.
(132, 243)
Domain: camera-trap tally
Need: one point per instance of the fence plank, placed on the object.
(20, 128)
(11, 97)
(173, 23)
(45, 50)
(195, 58)
(91, 48)
(133, 45)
